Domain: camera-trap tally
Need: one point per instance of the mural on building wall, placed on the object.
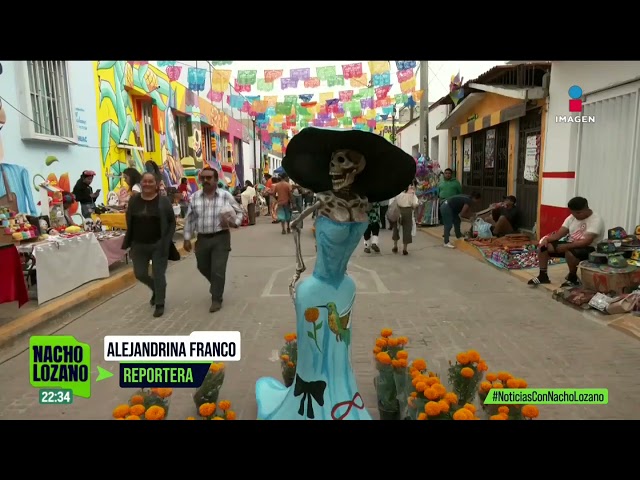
(119, 85)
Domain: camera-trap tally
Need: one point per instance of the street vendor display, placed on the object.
(66, 261)
(428, 177)
(16, 227)
(110, 217)
(347, 170)
(511, 252)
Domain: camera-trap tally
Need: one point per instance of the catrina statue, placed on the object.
(346, 169)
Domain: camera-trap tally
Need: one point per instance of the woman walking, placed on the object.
(373, 230)
(406, 202)
(150, 228)
(248, 198)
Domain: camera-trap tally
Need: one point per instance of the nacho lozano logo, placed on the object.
(575, 108)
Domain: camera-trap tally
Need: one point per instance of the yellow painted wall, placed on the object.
(119, 84)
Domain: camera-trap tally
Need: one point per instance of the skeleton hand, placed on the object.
(300, 266)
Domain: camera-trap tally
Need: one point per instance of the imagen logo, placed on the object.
(575, 102)
(575, 108)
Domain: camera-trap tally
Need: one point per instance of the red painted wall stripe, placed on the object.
(558, 174)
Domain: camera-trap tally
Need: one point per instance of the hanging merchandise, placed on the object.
(428, 177)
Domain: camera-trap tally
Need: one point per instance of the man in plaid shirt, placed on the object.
(214, 239)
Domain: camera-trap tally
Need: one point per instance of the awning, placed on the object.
(461, 111)
(501, 116)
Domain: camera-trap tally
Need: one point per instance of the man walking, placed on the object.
(447, 188)
(284, 196)
(214, 239)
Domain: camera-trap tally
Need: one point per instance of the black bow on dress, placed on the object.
(309, 391)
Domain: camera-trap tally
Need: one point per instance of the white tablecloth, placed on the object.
(66, 264)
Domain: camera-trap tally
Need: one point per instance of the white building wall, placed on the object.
(561, 138)
(409, 137)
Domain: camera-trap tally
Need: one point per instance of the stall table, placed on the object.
(66, 263)
(12, 284)
(112, 248)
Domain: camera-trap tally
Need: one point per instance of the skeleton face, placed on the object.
(345, 166)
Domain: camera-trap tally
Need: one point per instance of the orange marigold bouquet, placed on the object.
(466, 374)
(504, 380)
(423, 388)
(289, 358)
(391, 363)
(209, 391)
(211, 411)
(145, 404)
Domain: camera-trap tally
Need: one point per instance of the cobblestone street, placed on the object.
(443, 300)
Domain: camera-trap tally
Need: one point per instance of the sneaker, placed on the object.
(367, 250)
(159, 311)
(215, 306)
(375, 248)
(449, 245)
(571, 283)
(539, 280)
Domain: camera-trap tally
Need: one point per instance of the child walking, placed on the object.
(373, 230)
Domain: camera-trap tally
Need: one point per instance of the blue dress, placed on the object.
(325, 386)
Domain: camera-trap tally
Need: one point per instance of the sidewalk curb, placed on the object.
(91, 292)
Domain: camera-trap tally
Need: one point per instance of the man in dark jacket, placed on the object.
(84, 193)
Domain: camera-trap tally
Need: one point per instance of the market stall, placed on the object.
(12, 284)
(64, 262)
(428, 177)
(111, 244)
(511, 252)
(113, 220)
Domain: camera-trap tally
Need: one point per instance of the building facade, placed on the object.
(596, 157)
(161, 112)
(48, 129)
(408, 136)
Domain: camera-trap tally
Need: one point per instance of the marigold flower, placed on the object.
(393, 342)
(214, 368)
(432, 409)
(414, 373)
(413, 394)
(513, 383)
(121, 411)
(522, 383)
(462, 358)
(492, 377)
(402, 354)
(463, 414)
(402, 363)
(191, 418)
(504, 376)
(376, 350)
(381, 342)
(504, 409)
(383, 358)
(402, 340)
(482, 366)
(444, 406)
(137, 410)
(284, 358)
(133, 417)
(155, 413)
(497, 417)
(431, 394)
(311, 315)
(421, 386)
(422, 416)
(224, 405)
(290, 364)
(217, 418)
(419, 364)
(386, 332)
(395, 363)
(470, 407)
(485, 387)
(439, 389)
(207, 409)
(473, 356)
(136, 400)
(530, 411)
(230, 415)
(451, 398)
(290, 337)
(432, 381)
(467, 372)
(164, 392)
(497, 385)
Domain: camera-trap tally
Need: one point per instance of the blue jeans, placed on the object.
(449, 219)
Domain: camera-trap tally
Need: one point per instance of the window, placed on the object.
(146, 109)
(224, 145)
(415, 151)
(237, 151)
(206, 144)
(435, 147)
(182, 134)
(49, 99)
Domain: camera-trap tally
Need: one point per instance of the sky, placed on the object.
(439, 74)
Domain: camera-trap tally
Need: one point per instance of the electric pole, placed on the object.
(424, 108)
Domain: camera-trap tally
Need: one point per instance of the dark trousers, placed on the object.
(141, 254)
(251, 213)
(212, 254)
(450, 219)
(372, 229)
(383, 216)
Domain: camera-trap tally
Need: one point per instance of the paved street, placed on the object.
(443, 300)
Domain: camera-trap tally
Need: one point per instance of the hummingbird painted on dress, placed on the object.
(338, 324)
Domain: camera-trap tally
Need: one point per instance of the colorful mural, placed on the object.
(123, 87)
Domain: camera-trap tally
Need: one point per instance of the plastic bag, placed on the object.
(414, 227)
(393, 211)
(482, 229)
(227, 216)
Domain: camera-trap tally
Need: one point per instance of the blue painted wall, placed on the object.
(32, 154)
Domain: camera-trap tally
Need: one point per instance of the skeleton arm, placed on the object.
(295, 226)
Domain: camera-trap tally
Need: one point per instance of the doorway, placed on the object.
(529, 166)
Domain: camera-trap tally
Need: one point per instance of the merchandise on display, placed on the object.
(428, 178)
(16, 227)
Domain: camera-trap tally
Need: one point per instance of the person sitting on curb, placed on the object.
(505, 217)
(585, 230)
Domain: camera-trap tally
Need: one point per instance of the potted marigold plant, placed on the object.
(505, 381)
(465, 375)
(209, 391)
(289, 358)
(425, 388)
(211, 411)
(145, 404)
(389, 366)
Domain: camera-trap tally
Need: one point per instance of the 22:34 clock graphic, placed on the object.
(55, 396)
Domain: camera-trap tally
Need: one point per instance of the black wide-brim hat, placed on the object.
(388, 170)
